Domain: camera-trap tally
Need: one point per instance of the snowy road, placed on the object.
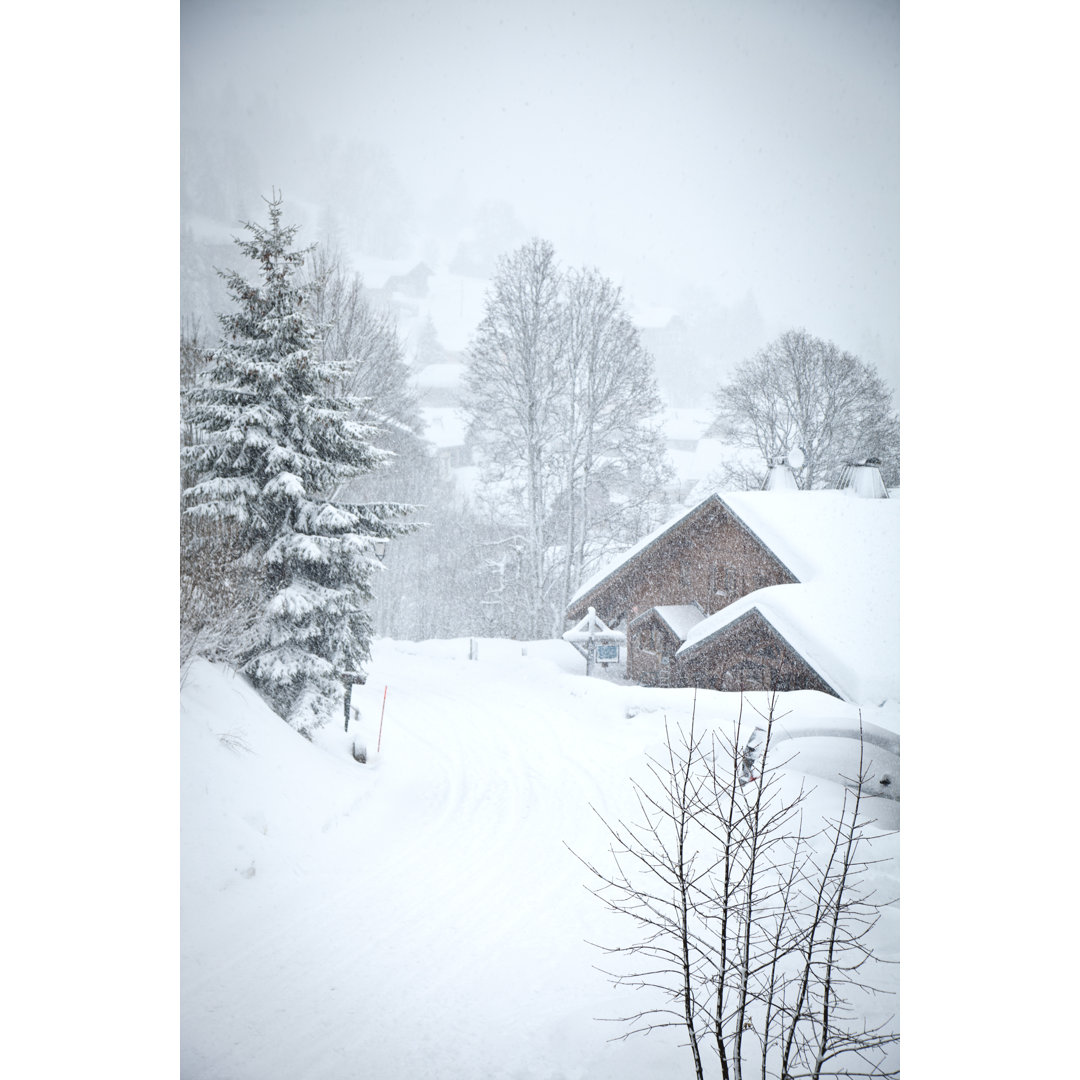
(418, 916)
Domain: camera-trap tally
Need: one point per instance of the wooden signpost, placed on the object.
(596, 641)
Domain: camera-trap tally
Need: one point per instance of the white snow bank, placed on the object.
(261, 772)
(421, 916)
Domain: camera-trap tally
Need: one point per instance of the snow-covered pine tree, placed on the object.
(275, 438)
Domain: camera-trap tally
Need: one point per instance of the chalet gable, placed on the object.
(655, 637)
(748, 652)
(707, 556)
(842, 617)
(674, 621)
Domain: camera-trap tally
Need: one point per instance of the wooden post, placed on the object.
(349, 678)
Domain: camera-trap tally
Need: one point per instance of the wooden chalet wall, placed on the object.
(709, 557)
(749, 654)
(651, 648)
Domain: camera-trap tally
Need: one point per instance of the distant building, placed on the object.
(439, 385)
(447, 430)
(414, 284)
(694, 453)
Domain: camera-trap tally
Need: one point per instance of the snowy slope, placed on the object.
(421, 915)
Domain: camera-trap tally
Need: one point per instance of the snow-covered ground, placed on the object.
(421, 915)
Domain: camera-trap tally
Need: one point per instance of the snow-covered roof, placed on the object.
(681, 618)
(843, 615)
(819, 532)
(592, 627)
(732, 500)
(455, 303)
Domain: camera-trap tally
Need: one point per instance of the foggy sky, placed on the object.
(738, 145)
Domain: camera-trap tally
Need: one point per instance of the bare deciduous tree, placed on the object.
(361, 338)
(218, 593)
(753, 924)
(563, 402)
(611, 443)
(800, 392)
(194, 351)
(514, 386)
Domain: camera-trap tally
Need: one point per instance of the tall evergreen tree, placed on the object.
(275, 437)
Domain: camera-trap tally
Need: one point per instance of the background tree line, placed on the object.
(564, 416)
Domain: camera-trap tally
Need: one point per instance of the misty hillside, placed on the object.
(695, 346)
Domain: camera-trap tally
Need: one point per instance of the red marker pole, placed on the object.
(378, 745)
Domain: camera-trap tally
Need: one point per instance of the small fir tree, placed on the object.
(275, 437)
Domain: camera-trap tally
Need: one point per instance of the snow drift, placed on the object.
(421, 915)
